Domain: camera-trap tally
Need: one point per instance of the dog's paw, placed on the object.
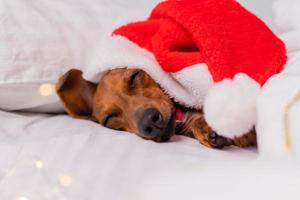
(217, 141)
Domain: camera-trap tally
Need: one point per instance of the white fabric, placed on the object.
(19, 96)
(59, 158)
(278, 105)
(230, 106)
(40, 40)
(82, 160)
(198, 83)
(240, 180)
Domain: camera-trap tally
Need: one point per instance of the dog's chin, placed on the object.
(168, 131)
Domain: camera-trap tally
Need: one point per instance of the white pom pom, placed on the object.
(230, 106)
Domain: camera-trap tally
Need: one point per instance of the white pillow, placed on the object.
(40, 40)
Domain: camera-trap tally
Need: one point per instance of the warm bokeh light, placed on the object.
(66, 180)
(47, 89)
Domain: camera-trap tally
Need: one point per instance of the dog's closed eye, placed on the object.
(109, 117)
(110, 122)
(133, 78)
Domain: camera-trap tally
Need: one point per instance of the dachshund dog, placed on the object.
(130, 100)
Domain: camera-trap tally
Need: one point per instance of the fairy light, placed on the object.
(39, 164)
(47, 89)
(22, 198)
(65, 180)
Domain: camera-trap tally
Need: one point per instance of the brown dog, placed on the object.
(130, 100)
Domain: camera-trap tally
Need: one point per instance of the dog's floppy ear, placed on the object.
(76, 94)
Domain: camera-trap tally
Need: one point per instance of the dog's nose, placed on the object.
(151, 123)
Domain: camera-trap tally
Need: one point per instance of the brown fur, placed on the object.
(195, 126)
(122, 96)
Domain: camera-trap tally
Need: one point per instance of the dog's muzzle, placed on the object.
(153, 126)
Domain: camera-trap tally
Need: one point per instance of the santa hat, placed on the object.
(218, 52)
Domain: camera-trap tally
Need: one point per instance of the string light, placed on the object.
(66, 180)
(47, 89)
(39, 164)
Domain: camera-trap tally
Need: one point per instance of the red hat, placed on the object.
(224, 36)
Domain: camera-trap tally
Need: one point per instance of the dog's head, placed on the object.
(124, 99)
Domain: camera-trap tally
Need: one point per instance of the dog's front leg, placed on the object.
(196, 127)
(205, 135)
(208, 137)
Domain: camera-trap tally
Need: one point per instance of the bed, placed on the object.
(54, 157)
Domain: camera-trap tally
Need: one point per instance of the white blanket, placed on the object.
(279, 104)
(58, 158)
(45, 157)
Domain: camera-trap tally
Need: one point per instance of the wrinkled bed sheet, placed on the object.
(52, 157)
(56, 157)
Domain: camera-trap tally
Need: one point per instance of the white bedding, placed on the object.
(103, 164)
(58, 158)
(54, 157)
(279, 103)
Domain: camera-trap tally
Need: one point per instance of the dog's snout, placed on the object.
(151, 122)
(152, 125)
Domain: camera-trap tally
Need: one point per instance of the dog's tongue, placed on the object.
(179, 115)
